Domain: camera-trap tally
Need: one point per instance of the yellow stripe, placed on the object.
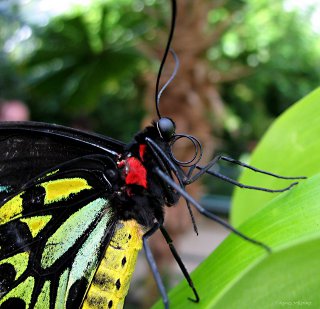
(111, 282)
(60, 189)
(43, 300)
(49, 174)
(22, 291)
(36, 223)
(19, 262)
(11, 209)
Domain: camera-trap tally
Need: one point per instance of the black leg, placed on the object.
(158, 151)
(240, 185)
(180, 263)
(206, 169)
(153, 265)
(258, 170)
(207, 213)
(192, 179)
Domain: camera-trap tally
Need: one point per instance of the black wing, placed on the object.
(53, 234)
(27, 149)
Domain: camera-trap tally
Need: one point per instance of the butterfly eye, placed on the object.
(166, 128)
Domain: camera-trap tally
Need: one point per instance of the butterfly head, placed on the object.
(166, 128)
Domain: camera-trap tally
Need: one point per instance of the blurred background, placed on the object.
(92, 64)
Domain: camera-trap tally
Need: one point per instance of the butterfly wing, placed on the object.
(30, 148)
(53, 234)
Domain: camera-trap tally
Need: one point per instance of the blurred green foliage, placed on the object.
(85, 68)
(277, 53)
(84, 71)
(10, 23)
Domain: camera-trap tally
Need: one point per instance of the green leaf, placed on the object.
(239, 274)
(290, 147)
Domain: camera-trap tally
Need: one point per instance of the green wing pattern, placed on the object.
(52, 236)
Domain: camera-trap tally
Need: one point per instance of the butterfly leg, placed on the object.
(207, 213)
(206, 169)
(180, 263)
(240, 185)
(153, 265)
(162, 157)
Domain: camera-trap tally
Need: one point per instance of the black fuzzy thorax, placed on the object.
(144, 205)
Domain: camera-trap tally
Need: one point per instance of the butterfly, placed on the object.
(77, 207)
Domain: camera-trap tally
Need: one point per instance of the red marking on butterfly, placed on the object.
(136, 174)
(142, 151)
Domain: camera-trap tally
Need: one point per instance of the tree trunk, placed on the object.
(192, 100)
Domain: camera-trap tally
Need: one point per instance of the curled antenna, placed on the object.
(165, 55)
(174, 73)
(197, 150)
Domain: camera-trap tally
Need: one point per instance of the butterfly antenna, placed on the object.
(165, 55)
(174, 73)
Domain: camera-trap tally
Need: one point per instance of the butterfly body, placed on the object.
(93, 208)
(111, 281)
